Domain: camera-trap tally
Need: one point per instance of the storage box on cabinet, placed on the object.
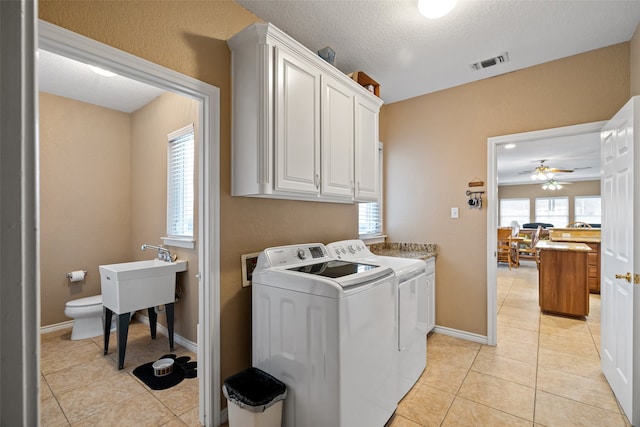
(301, 129)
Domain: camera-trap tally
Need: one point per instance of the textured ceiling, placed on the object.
(410, 55)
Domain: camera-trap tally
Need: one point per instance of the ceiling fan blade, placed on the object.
(554, 170)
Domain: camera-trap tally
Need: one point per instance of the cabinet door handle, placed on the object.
(316, 181)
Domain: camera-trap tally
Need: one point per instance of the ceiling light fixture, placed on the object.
(101, 71)
(433, 9)
(552, 184)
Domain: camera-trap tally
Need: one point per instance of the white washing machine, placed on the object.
(325, 328)
(411, 308)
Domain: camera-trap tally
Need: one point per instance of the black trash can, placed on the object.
(254, 399)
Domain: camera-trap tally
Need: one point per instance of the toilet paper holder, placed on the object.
(77, 275)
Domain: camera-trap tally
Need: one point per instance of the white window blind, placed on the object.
(180, 197)
(369, 219)
(552, 210)
(588, 209)
(514, 210)
(370, 214)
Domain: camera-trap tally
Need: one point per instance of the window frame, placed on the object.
(566, 198)
(575, 208)
(527, 199)
(180, 236)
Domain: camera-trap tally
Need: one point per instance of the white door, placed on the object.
(619, 237)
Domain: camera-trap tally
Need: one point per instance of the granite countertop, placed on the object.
(563, 246)
(422, 251)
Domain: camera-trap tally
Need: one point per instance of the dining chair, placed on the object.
(505, 247)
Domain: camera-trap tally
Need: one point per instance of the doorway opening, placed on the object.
(68, 44)
(492, 209)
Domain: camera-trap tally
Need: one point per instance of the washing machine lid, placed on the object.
(85, 302)
(335, 269)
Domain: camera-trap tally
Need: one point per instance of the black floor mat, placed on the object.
(182, 369)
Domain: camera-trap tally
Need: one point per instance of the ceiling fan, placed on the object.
(544, 172)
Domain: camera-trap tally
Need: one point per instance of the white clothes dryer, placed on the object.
(411, 308)
(325, 328)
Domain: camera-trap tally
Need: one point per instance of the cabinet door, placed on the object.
(297, 129)
(366, 151)
(431, 302)
(337, 138)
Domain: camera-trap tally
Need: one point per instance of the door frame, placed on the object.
(492, 206)
(72, 45)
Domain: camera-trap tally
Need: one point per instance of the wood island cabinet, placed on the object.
(564, 278)
(590, 236)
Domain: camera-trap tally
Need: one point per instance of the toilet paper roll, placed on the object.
(76, 276)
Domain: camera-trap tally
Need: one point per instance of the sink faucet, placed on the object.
(163, 253)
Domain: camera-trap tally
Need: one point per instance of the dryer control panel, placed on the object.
(349, 249)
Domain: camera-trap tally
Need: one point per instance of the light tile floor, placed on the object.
(545, 370)
(82, 387)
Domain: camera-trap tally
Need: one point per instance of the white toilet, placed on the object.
(87, 317)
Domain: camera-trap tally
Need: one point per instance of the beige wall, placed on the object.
(531, 191)
(190, 37)
(85, 179)
(435, 144)
(149, 128)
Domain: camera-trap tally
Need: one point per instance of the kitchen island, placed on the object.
(564, 278)
(590, 236)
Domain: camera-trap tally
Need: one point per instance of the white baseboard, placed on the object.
(178, 339)
(56, 327)
(456, 333)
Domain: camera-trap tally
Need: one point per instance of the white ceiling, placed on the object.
(580, 153)
(72, 79)
(410, 55)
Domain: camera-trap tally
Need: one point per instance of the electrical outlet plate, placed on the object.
(249, 262)
(455, 213)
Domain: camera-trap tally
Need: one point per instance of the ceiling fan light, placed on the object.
(434, 9)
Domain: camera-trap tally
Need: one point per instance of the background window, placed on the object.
(588, 209)
(180, 197)
(553, 210)
(370, 222)
(370, 214)
(514, 210)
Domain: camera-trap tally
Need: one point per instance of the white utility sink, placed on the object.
(131, 286)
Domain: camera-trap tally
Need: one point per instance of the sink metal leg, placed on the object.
(153, 321)
(106, 316)
(123, 331)
(169, 311)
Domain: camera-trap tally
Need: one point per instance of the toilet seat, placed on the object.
(85, 302)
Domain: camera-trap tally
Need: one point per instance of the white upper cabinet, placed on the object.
(337, 138)
(367, 172)
(297, 130)
(301, 129)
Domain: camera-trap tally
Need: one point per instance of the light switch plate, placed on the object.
(455, 213)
